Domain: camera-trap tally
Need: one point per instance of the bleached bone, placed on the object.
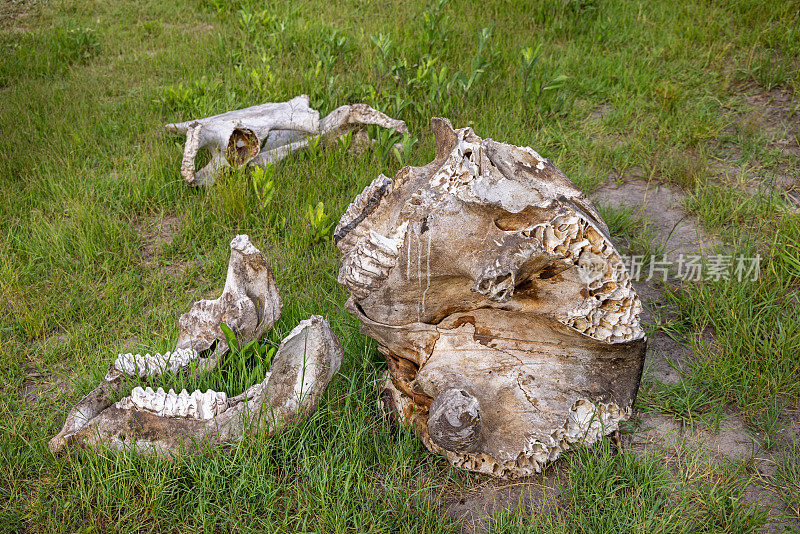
(197, 405)
(340, 121)
(234, 138)
(267, 133)
(506, 315)
(156, 364)
(162, 422)
(249, 305)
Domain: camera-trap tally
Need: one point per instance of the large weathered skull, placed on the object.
(159, 421)
(505, 313)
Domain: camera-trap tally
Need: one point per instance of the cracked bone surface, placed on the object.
(249, 305)
(506, 315)
(266, 133)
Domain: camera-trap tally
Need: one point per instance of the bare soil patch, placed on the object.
(777, 113)
(41, 384)
(662, 206)
(14, 14)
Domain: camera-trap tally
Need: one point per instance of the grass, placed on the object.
(87, 171)
(610, 492)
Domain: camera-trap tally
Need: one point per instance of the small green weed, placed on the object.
(320, 222)
(402, 149)
(193, 99)
(542, 88)
(264, 185)
(480, 63)
(436, 25)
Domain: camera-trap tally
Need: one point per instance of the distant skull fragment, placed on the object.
(506, 315)
(266, 133)
(158, 421)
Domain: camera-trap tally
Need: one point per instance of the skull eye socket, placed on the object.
(243, 146)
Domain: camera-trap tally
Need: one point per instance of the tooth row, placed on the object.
(197, 405)
(154, 364)
(586, 423)
(363, 270)
(611, 313)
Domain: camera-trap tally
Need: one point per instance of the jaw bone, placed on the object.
(267, 133)
(249, 305)
(164, 423)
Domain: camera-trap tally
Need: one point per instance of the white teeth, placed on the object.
(197, 405)
(170, 401)
(155, 364)
(203, 405)
(159, 400)
(183, 404)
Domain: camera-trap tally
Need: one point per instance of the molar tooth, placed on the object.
(573, 232)
(592, 235)
(601, 332)
(159, 399)
(123, 363)
(581, 323)
(550, 241)
(203, 404)
(221, 402)
(169, 403)
(194, 405)
(184, 401)
(138, 395)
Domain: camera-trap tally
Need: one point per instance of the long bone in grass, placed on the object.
(165, 422)
(506, 315)
(266, 133)
(249, 305)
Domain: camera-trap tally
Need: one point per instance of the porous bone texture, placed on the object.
(488, 273)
